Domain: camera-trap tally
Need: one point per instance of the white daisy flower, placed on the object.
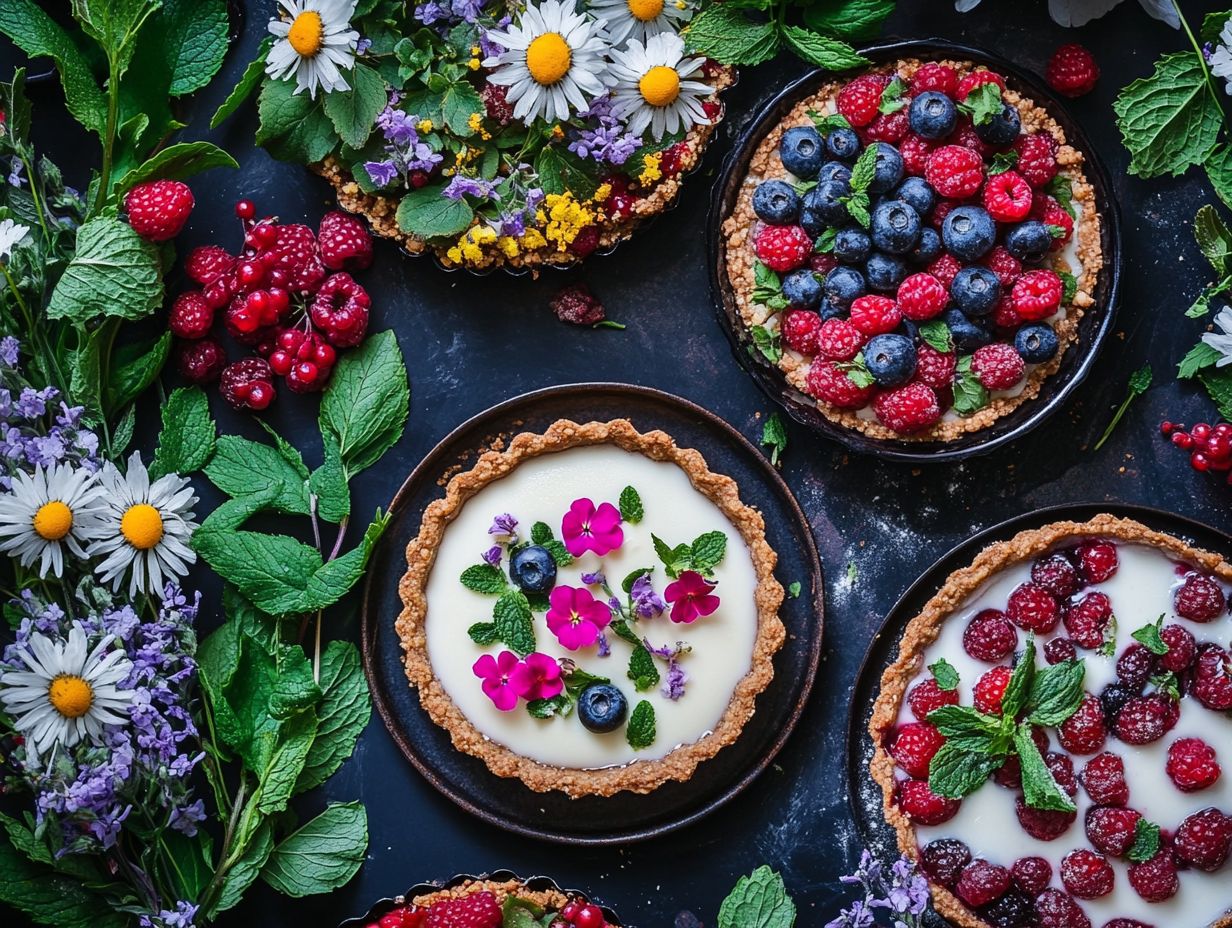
(10, 234)
(47, 512)
(1081, 12)
(1221, 341)
(144, 528)
(315, 42)
(1221, 58)
(68, 693)
(553, 62)
(640, 19)
(653, 87)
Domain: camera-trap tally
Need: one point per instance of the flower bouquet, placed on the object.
(490, 134)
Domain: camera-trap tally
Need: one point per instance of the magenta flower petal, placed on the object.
(596, 613)
(575, 617)
(502, 695)
(495, 673)
(537, 677)
(690, 597)
(574, 527)
(485, 667)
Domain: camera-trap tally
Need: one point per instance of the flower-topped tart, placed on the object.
(591, 610)
(1051, 739)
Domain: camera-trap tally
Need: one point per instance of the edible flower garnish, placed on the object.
(537, 677)
(646, 602)
(575, 617)
(495, 672)
(691, 597)
(587, 528)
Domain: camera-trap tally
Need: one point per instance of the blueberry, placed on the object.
(843, 284)
(1036, 344)
(915, 190)
(834, 170)
(852, 245)
(910, 330)
(889, 168)
(1002, 129)
(776, 202)
(602, 707)
(1029, 241)
(968, 232)
(932, 115)
(533, 569)
(828, 310)
(1112, 700)
(812, 222)
(895, 227)
(967, 335)
(802, 289)
(825, 202)
(927, 249)
(801, 151)
(885, 272)
(890, 359)
(976, 290)
(843, 144)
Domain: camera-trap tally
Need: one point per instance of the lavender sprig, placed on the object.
(904, 894)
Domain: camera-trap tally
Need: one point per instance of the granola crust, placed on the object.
(640, 776)
(739, 258)
(922, 631)
(551, 899)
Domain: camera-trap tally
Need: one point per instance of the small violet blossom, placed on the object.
(673, 685)
(493, 555)
(691, 597)
(587, 528)
(594, 579)
(537, 677)
(496, 673)
(504, 524)
(646, 602)
(575, 617)
(460, 186)
(905, 894)
(605, 648)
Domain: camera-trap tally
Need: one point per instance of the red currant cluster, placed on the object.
(288, 296)
(1209, 447)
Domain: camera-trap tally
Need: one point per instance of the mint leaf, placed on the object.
(1168, 684)
(1061, 189)
(892, 99)
(631, 506)
(541, 533)
(849, 19)
(292, 126)
(1069, 286)
(246, 869)
(1218, 383)
(342, 713)
(969, 394)
(484, 633)
(1108, 647)
(353, 112)
(560, 704)
(242, 468)
(1148, 636)
(829, 122)
(707, 551)
(51, 898)
(1214, 238)
(936, 335)
(193, 38)
(1001, 162)
(1040, 790)
(767, 343)
(558, 170)
(1146, 842)
(642, 669)
(177, 162)
(114, 272)
(1056, 693)
(1200, 357)
(366, 402)
(133, 368)
(249, 81)
(728, 36)
(1018, 690)
(945, 675)
(864, 170)
(774, 437)
(640, 731)
(955, 772)
(758, 900)
(328, 483)
(857, 371)
(822, 50)
(1168, 121)
(484, 578)
(983, 104)
(429, 215)
(322, 855)
(515, 622)
(1139, 381)
(794, 588)
(970, 730)
(825, 241)
(188, 434)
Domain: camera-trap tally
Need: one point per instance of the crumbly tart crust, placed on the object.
(552, 899)
(640, 776)
(922, 631)
(739, 258)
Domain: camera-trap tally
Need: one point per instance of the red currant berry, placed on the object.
(1165, 427)
(1182, 440)
(280, 361)
(245, 209)
(589, 916)
(249, 275)
(260, 394)
(1198, 462)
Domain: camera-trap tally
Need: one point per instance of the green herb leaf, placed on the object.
(177, 162)
(249, 81)
(946, 676)
(970, 730)
(1169, 120)
(631, 506)
(1069, 286)
(366, 403)
(983, 104)
(484, 633)
(1001, 162)
(1139, 381)
(292, 126)
(114, 272)
(955, 773)
(642, 669)
(829, 122)
(640, 731)
(825, 241)
(192, 35)
(285, 762)
(133, 368)
(758, 900)
(774, 437)
(1219, 172)
(514, 622)
(484, 578)
(969, 394)
(728, 36)
(707, 551)
(1146, 842)
(1218, 383)
(892, 99)
(560, 170)
(857, 371)
(342, 714)
(560, 704)
(428, 214)
(560, 554)
(1168, 684)
(864, 170)
(541, 533)
(1214, 238)
(1061, 189)
(243, 468)
(245, 871)
(1056, 693)
(1109, 646)
(794, 588)
(328, 483)
(936, 335)
(822, 50)
(1021, 685)
(1148, 636)
(51, 898)
(188, 434)
(1040, 790)
(323, 855)
(353, 112)
(767, 343)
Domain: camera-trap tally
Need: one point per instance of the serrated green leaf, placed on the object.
(640, 730)
(328, 483)
(955, 773)
(50, 898)
(1040, 789)
(249, 81)
(193, 38)
(114, 272)
(725, 34)
(707, 551)
(937, 335)
(133, 368)
(484, 633)
(1056, 693)
(631, 509)
(293, 127)
(514, 622)
(1146, 842)
(822, 50)
(484, 578)
(1168, 121)
(322, 855)
(342, 714)
(1218, 383)
(187, 438)
(177, 162)
(1148, 636)
(366, 402)
(944, 673)
(428, 214)
(1213, 237)
(241, 467)
(849, 19)
(774, 437)
(758, 900)
(642, 669)
(353, 112)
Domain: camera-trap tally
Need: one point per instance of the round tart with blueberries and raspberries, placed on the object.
(1050, 740)
(591, 610)
(914, 248)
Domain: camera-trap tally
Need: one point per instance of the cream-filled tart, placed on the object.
(590, 610)
(1051, 740)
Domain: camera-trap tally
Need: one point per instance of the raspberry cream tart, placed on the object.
(591, 610)
(914, 248)
(1050, 740)
(493, 902)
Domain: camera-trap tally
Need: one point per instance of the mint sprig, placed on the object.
(945, 675)
(1149, 637)
(1146, 842)
(983, 104)
(640, 731)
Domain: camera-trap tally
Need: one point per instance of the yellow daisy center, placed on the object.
(142, 526)
(548, 58)
(53, 520)
(645, 10)
(71, 696)
(307, 34)
(660, 85)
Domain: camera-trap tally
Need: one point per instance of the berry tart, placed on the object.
(1051, 738)
(914, 248)
(591, 610)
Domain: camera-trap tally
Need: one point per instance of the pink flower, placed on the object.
(586, 528)
(576, 618)
(496, 674)
(537, 677)
(690, 597)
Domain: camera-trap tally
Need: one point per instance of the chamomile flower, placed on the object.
(69, 691)
(144, 528)
(315, 43)
(47, 512)
(640, 19)
(553, 62)
(653, 86)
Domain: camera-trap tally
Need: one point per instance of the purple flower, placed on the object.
(646, 602)
(362, 46)
(513, 224)
(460, 186)
(33, 403)
(15, 178)
(180, 917)
(489, 48)
(10, 350)
(493, 555)
(673, 685)
(605, 139)
(397, 127)
(381, 172)
(605, 647)
(504, 524)
(594, 579)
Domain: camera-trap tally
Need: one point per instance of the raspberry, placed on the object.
(1007, 196)
(206, 263)
(1004, 265)
(887, 127)
(158, 209)
(990, 637)
(1055, 908)
(1043, 824)
(1031, 874)
(836, 340)
(295, 251)
(1087, 620)
(783, 248)
(875, 315)
(935, 368)
(191, 317)
(1143, 720)
(1111, 830)
(1084, 731)
(954, 171)
(496, 105)
(990, 690)
(1072, 71)
(1104, 780)
(945, 269)
(1037, 158)
(1005, 316)
(1156, 880)
(201, 361)
(1056, 574)
(219, 291)
(248, 384)
(1037, 294)
(404, 916)
(965, 136)
(915, 152)
(914, 746)
(622, 205)
(997, 366)
(830, 384)
(923, 806)
(800, 330)
(980, 76)
(1192, 765)
(1086, 874)
(927, 697)
(860, 100)
(585, 242)
(1204, 839)
(675, 158)
(479, 910)
(1031, 607)
(922, 296)
(1182, 648)
(1059, 650)
(933, 76)
(1199, 599)
(576, 304)
(981, 883)
(1062, 770)
(340, 310)
(1212, 683)
(822, 263)
(1048, 211)
(1097, 561)
(944, 860)
(344, 242)
(908, 409)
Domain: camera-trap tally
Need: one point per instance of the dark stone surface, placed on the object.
(471, 342)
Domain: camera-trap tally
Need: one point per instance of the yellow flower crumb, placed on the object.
(650, 168)
(424, 125)
(604, 191)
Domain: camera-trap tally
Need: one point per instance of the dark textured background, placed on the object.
(470, 342)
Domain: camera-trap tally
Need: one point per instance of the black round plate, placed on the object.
(864, 794)
(624, 817)
(1092, 331)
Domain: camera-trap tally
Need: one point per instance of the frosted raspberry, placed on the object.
(1111, 829)
(965, 136)
(191, 317)
(1005, 317)
(934, 76)
(1084, 731)
(1200, 598)
(1056, 574)
(860, 100)
(945, 269)
(977, 77)
(158, 209)
(478, 910)
(1033, 608)
(248, 384)
(1156, 880)
(908, 409)
(1043, 824)
(914, 746)
(923, 806)
(954, 171)
(875, 315)
(295, 252)
(1004, 265)
(344, 242)
(1037, 294)
(997, 366)
(1086, 874)
(927, 697)
(839, 340)
(822, 263)
(1143, 720)
(1072, 71)
(935, 368)
(1087, 620)
(1055, 908)
(886, 127)
(1192, 765)
(981, 882)
(206, 263)
(1007, 196)
(1031, 874)
(340, 310)
(1135, 666)
(990, 690)
(1212, 683)
(1182, 648)
(922, 296)
(1104, 780)
(576, 304)
(915, 152)
(944, 860)
(1204, 839)
(783, 248)
(1037, 158)
(200, 361)
(1097, 561)
(990, 637)
(1059, 650)
(830, 384)
(800, 329)
(1048, 211)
